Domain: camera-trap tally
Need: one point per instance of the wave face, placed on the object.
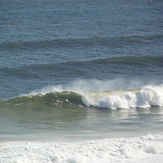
(58, 99)
(52, 107)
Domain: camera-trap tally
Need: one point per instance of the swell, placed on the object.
(134, 60)
(124, 60)
(118, 65)
(79, 42)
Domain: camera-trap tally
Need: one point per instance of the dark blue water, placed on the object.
(50, 42)
(87, 45)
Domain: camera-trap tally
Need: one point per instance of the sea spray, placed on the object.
(90, 85)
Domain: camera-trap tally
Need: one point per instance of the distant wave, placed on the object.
(75, 42)
(133, 60)
(141, 61)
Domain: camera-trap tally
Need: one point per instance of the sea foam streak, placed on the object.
(146, 149)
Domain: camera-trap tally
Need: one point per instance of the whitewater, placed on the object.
(145, 149)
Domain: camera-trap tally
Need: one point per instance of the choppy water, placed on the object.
(79, 70)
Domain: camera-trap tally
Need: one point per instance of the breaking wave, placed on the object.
(145, 97)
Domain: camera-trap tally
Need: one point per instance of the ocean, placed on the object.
(81, 81)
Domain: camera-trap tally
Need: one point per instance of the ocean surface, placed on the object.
(81, 81)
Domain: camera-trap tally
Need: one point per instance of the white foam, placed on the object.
(139, 149)
(146, 97)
